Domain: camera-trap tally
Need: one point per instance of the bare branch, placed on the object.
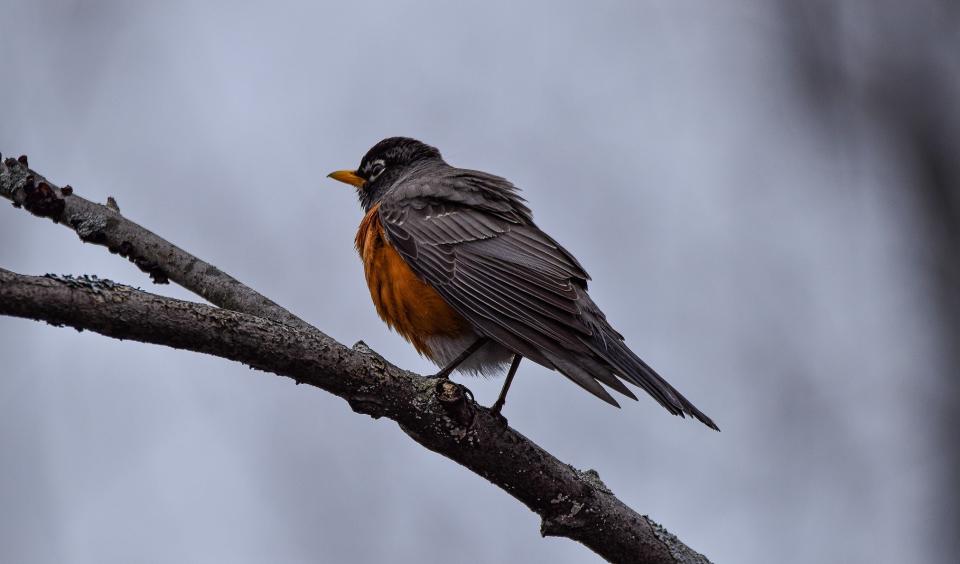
(435, 413)
(162, 260)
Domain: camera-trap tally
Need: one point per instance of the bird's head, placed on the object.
(383, 164)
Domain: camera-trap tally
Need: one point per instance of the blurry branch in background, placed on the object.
(249, 328)
(888, 73)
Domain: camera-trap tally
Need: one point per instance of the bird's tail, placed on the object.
(607, 344)
(633, 369)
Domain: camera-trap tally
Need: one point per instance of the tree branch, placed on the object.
(435, 413)
(162, 260)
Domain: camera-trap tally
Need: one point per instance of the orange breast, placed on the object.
(403, 301)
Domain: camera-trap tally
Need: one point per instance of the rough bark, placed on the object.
(250, 329)
(104, 225)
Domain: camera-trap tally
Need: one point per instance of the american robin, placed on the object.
(456, 265)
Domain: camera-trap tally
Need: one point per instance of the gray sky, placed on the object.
(752, 258)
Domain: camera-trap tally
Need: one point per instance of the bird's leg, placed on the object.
(498, 405)
(445, 372)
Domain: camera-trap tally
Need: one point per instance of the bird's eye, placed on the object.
(376, 170)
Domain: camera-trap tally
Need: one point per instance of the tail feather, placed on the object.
(633, 369)
(582, 378)
(610, 350)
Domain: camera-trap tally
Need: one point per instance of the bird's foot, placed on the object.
(495, 412)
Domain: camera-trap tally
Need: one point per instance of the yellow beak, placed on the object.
(348, 176)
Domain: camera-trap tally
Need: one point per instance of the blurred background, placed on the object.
(765, 193)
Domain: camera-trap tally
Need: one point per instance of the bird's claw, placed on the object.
(495, 412)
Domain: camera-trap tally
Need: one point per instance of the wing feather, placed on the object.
(470, 236)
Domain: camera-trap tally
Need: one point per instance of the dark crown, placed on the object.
(400, 151)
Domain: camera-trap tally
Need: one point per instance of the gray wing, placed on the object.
(470, 237)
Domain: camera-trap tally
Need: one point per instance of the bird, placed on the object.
(456, 265)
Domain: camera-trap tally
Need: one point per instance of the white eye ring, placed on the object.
(376, 170)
